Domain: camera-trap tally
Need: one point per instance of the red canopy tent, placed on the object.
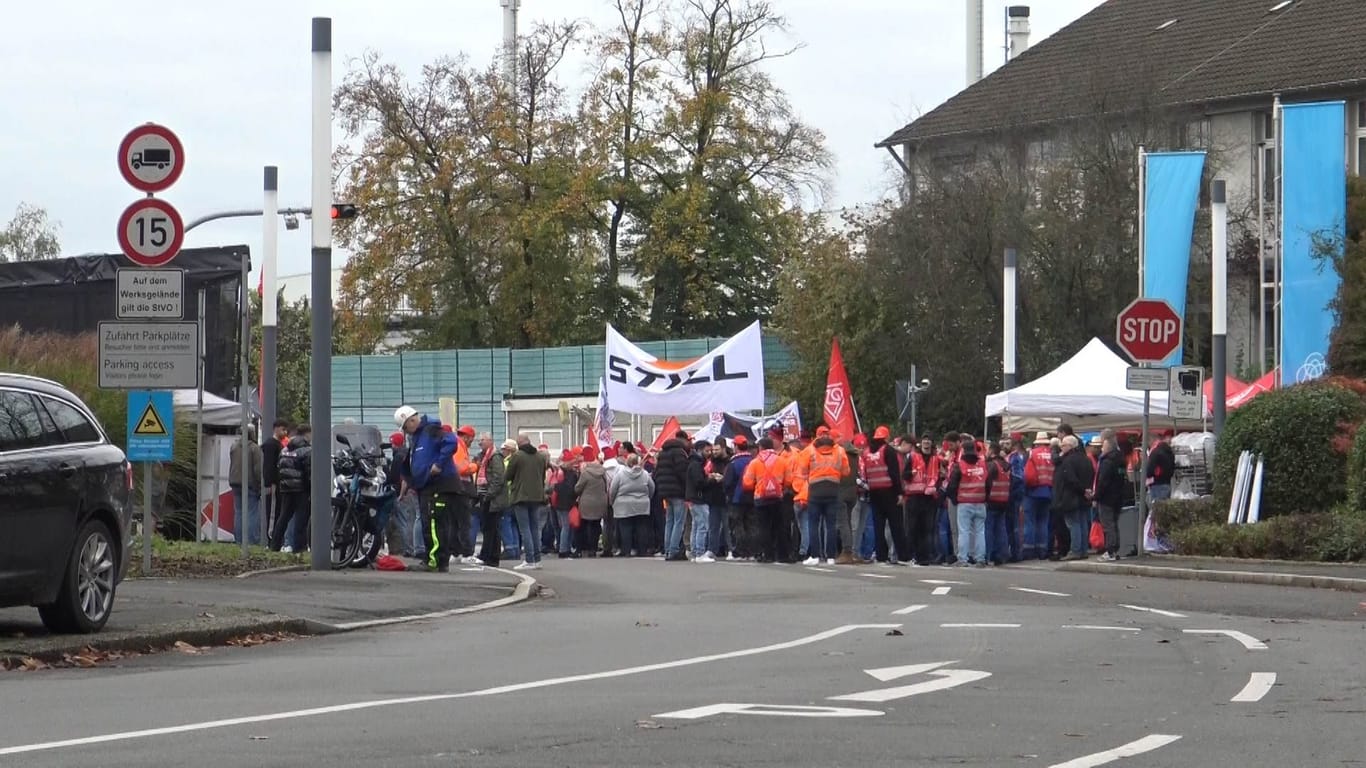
(1264, 384)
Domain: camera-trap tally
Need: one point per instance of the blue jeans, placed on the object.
(972, 539)
(512, 542)
(252, 523)
(998, 543)
(403, 510)
(674, 511)
(946, 548)
(718, 530)
(701, 520)
(1037, 537)
(803, 514)
(1079, 525)
(530, 518)
(1158, 493)
(867, 546)
(565, 544)
(822, 520)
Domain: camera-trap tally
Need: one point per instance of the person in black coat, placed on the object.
(1071, 485)
(671, 483)
(1111, 480)
(270, 470)
(295, 470)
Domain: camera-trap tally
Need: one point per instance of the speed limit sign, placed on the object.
(151, 232)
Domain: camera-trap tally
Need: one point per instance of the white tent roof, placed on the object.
(218, 412)
(1088, 389)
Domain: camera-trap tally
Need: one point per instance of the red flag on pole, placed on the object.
(261, 286)
(666, 433)
(839, 398)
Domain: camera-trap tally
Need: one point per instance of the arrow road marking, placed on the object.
(1159, 612)
(909, 610)
(1133, 748)
(942, 581)
(771, 710)
(888, 674)
(941, 591)
(1258, 685)
(949, 678)
(1040, 592)
(1249, 642)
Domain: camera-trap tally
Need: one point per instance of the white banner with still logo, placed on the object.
(728, 378)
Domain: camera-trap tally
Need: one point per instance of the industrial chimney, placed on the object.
(510, 41)
(1017, 29)
(975, 42)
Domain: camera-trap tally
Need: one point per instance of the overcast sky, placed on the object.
(232, 79)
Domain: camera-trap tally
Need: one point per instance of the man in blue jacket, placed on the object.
(743, 526)
(430, 470)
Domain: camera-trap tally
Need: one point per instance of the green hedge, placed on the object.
(1304, 432)
(1356, 471)
(1173, 515)
(1338, 536)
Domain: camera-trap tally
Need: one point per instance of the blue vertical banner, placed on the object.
(1313, 221)
(1171, 194)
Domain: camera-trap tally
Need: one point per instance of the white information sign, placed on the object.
(149, 355)
(1185, 398)
(150, 294)
(1147, 379)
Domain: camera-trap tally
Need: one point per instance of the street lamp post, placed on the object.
(913, 390)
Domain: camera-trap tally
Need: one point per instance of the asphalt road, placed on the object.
(642, 663)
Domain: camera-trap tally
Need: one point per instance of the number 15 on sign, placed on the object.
(151, 232)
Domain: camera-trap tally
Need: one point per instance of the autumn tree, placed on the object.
(29, 236)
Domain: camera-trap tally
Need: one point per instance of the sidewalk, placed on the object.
(1341, 576)
(157, 612)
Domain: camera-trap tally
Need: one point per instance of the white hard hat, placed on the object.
(404, 413)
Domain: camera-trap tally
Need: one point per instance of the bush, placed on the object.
(1179, 514)
(1304, 433)
(1356, 471)
(1338, 536)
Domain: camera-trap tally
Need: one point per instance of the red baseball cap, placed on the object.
(882, 433)
(466, 431)
(860, 440)
(741, 441)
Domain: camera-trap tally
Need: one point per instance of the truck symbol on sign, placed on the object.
(1190, 382)
(158, 157)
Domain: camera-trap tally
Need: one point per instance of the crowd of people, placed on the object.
(821, 498)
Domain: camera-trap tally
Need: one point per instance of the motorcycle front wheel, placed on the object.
(346, 536)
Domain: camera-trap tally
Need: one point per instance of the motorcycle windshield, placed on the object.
(365, 439)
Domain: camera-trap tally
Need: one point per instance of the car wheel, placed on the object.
(87, 596)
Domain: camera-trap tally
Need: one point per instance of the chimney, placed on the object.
(510, 41)
(975, 42)
(1017, 29)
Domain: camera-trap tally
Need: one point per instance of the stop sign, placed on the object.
(1148, 330)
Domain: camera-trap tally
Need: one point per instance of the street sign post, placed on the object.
(151, 438)
(1149, 331)
(151, 158)
(1146, 379)
(150, 294)
(149, 355)
(151, 232)
(1185, 397)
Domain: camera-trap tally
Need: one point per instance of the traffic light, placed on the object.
(344, 211)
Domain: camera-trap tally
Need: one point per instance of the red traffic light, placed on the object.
(344, 211)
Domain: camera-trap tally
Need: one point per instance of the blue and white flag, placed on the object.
(603, 418)
(1171, 194)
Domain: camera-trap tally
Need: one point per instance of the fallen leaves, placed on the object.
(91, 656)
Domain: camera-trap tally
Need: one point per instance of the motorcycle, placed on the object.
(360, 493)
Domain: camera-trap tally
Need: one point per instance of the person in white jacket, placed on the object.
(630, 492)
(610, 537)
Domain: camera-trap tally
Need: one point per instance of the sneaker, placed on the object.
(384, 551)
(705, 557)
(730, 557)
(287, 550)
(961, 563)
(811, 561)
(1106, 558)
(980, 564)
(536, 566)
(523, 566)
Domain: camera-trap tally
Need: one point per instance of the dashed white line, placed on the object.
(943, 581)
(1158, 611)
(1258, 686)
(1101, 627)
(1040, 592)
(979, 626)
(1133, 748)
(1249, 642)
(940, 591)
(909, 610)
(822, 570)
(877, 576)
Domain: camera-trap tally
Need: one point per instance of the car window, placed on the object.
(72, 425)
(21, 426)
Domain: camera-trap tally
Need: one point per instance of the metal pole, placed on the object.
(1261, 259)
(914, 394)
(1142, 218)
(1140, 483)
(1142, 479)
(199, 432)
(1219, 301)
(1008, 326)
(243, 396)
(270, 238)
(245, 213)
(1279, 253)
(148, 525)
(320, 383)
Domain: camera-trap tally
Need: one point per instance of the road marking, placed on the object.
(822, 570)
(377, 703)
(942, 581)
(1040, 592)
(520, 593)
(979, 626)
(940, 591)
(1133, 748)
(771, 710)
(1249, 642)
(1158, 611)
(1099, 626)
(949, 678)
(877, 576)
(1258, 686)
(886, 674)
(909, 610)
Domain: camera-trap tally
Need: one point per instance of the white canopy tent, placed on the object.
(218, 412)
(1088, 391)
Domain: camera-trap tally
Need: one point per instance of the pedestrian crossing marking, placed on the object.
(150, 423)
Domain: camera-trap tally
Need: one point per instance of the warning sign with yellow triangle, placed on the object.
(150, 423)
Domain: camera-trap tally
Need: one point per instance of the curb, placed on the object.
(527, 587)
(1227, 577)
(1197, 561)
(205, 636)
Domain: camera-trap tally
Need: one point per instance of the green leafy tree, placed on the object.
(1347, 346)
(29, 236)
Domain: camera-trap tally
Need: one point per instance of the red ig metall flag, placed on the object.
(839, 398)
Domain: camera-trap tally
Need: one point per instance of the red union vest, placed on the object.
(770, 483)
(1000, 487)
(1039, 468)
(972, 486)
(915, 484)
(875, 472)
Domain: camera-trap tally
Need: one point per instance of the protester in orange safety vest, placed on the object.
(824, 465)
(766, 477)
(467, 471)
